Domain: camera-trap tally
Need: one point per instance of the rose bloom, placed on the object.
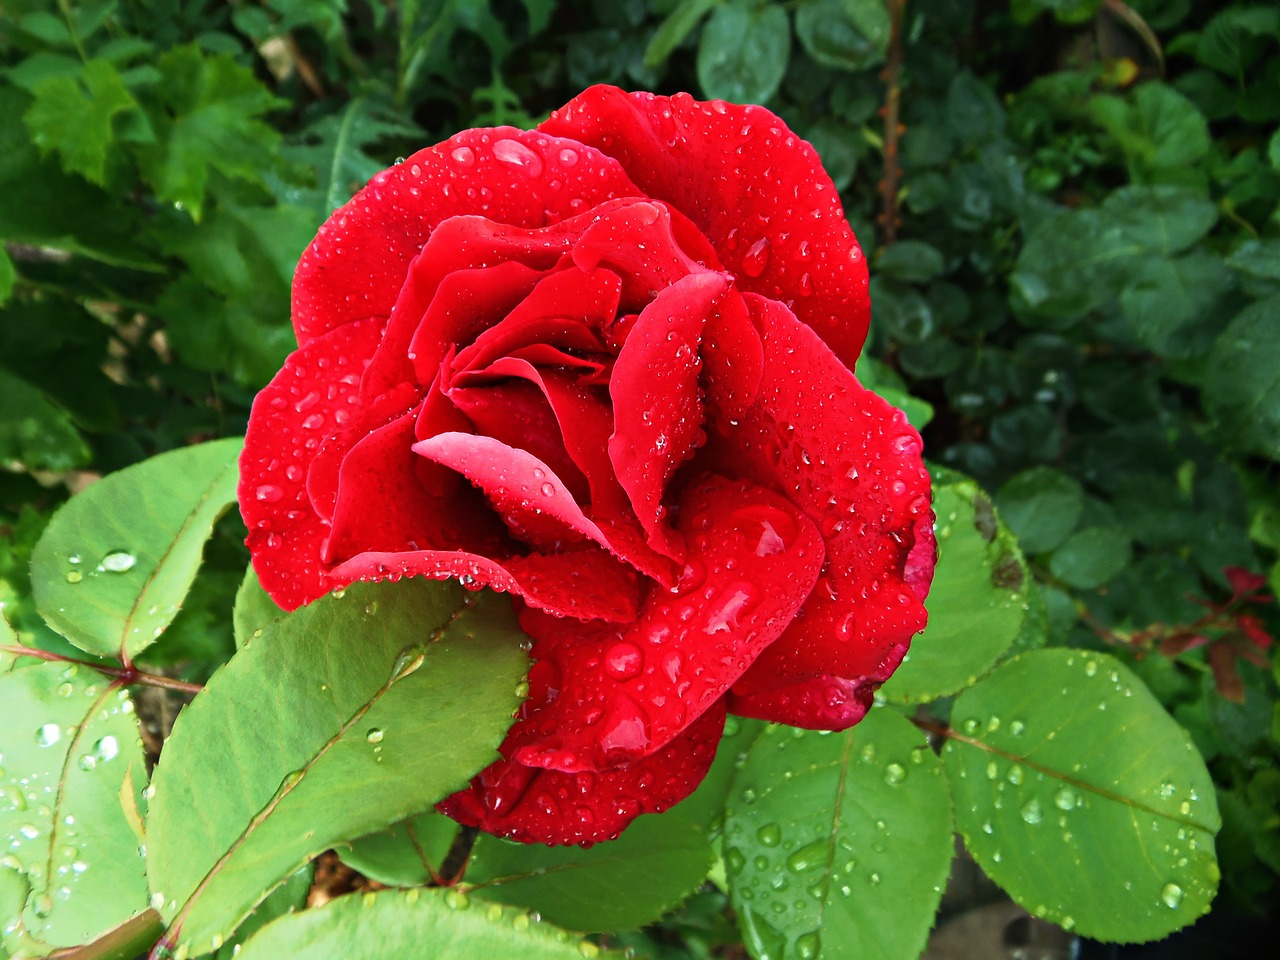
(604, 366)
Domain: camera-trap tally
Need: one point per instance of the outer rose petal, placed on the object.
(317, 385)
(358, 261)
(532, 805)
(850, 461)
(626, 691)
(755, 189)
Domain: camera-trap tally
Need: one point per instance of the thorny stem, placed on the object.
(125, 675)
(892, 77)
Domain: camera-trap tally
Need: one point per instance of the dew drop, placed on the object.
(464, 155)
(118, 561)
(1066, 799)
(1171, 895)
(374, 735)
(74, 576)
(623, 660)
(516, 153)
(1031, 812)
(268, 493)
(808, 945)
(48, 735)
(756, 258)
(894, 774)
(770, 835)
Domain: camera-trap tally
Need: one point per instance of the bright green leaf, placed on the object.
(74, 117)
(415, 923)
(254, 609)
(1041, 506)
(69, 739)
(618, 885)
(837, 845)
(843, 34)
(407, 854)
(1242, 379)
(679, 23)
(976, 605)
(743, 52)
(114, 564)
(206, 120)
(363, 708)
(1079, 795)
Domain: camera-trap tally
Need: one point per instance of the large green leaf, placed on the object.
(361, 709)
(619, 885)
(415, 925)
(843, 34)
(838, 845)
(71, 752)
(977, 603)
(113, 566)
(1242, 379)
(1079, 794)
(744, 50)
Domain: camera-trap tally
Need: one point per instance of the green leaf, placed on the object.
(843, 34)
(977, 603)
(334, 147)
(254, 609)
(1079, 795)
(838, 845)
(365, 707)
(112, 568)
(1159, 131)
(619, 885)
(408, 854)
(911, 261)
(205, 121)
(286, 898)
(1090, 557)
(69, 741)
(415, 923)
(743, 52)
(1241, 387)
(1162, 219)
(8, 275)
(1234, 39)
(74, 117)
(1172, 303)
(34, 431)
(1258, 258)
(678, 24)
(1041, 506)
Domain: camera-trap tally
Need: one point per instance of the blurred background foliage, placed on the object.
(1070, 208)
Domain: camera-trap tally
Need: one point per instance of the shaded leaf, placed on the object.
(1241, 386)
(618, 885)
(34, 431)
(407, 854)
(743, 52)
(1041, 506)
(843, 34)
(672, 32)
(1090, 557)
(74, 115)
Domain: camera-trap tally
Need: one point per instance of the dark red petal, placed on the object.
(290, 418)
(851, 462)
(752, 186)
(357, 263)
(657, 410)
(625, 692)
(533, 805)
(524, 490)
(390, 499)
(583, 582)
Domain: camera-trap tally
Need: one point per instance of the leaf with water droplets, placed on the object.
(837, 845)
(112, 568)
(67, 743)
(1080, 795)
(977, 604)
(619, 885)
(275, 756)
(402, 923)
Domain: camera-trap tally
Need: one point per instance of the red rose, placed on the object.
(604, 366)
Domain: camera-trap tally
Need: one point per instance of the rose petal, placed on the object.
(627, 692)
(583, 582)
(851, 462)
(657, 410)
(532, 805)
(289, 419)
(524, 490)
(358, 261)
(757, 191)
(637, 243)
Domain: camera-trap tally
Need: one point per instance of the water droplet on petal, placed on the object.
(756, 258)
(515, 152)
(464, 155)
(623, 660)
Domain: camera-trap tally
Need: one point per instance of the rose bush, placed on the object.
(605, 366)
